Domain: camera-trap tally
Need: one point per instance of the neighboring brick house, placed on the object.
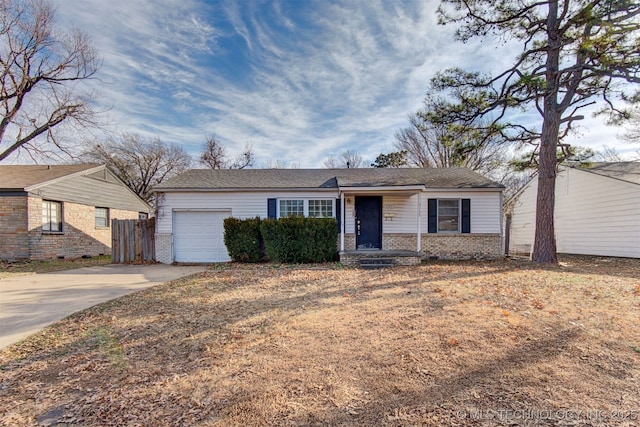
(61, 211)
(445, 213)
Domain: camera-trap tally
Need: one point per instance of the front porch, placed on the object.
(380, 258)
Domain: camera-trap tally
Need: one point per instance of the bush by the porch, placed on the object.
(243, 239)
(300, 240)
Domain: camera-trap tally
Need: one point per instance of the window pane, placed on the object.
(102, 217)
(448, 223)
(51, 216)
(321, 208)
(291, 208)
(448, 215)
(56, 216)
(46, 217)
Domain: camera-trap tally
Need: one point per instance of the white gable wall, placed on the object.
(594, 215)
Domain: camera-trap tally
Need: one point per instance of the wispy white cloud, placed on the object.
(297, 80)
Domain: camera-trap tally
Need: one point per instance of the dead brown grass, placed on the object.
(473, 343)
(20, 268)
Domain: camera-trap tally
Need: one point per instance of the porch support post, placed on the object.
(419, 237)
(342, 211)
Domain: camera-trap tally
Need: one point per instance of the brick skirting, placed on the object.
(440, 246)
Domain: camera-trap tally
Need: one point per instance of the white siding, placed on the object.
(241, 205)
(524, 219)
(405, 211)
(485, 207)
(486, 211)
(594, 215)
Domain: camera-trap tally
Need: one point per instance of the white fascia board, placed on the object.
(245, 190)
(396, 188)
(465, 189)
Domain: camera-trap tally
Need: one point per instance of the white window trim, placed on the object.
(60, 218)
(458, 231)
(305, 205)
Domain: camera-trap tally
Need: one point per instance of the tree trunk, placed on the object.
(544, 244)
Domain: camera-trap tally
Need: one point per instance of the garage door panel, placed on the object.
(199, 236)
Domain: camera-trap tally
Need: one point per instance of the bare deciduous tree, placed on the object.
(214, 155)
(39, 72)
(280, 164)
(439, 145)
(139, 162)
(346, 159)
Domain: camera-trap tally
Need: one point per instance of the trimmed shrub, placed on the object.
(300, 240)
(243, 239)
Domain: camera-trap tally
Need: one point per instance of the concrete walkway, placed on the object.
(29, 303)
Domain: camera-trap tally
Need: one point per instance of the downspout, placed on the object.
(419, 237)
(342, 213)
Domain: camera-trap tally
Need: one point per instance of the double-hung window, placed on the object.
(102, 217)
(291, 208)
(51, 216)
(448, 215)
(321, 208)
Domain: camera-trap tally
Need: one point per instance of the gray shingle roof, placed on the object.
(246, 179)
(21, 177)
(625, 171)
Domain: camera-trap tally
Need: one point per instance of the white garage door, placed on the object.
(199, 236)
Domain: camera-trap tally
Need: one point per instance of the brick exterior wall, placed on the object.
(400, 242)
(462, 246)
(79, 234)
(14, 242)
(164, 250)
(349, 242)
(441, 246)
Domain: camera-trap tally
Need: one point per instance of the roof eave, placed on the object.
(236, 189)
(382, 188)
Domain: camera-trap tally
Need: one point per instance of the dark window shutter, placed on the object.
(339, 214)
(271, 208)
(466, 215)
(432, 216)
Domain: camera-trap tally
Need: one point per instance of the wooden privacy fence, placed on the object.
(133, 240)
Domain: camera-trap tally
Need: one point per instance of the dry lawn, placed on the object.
(473, 343)
(20, 268)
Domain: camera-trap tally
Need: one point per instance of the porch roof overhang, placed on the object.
(377, 190)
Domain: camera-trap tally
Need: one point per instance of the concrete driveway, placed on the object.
(29, 303)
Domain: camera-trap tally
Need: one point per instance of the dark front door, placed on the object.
(369, 222)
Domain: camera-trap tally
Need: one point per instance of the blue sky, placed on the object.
(297, 80)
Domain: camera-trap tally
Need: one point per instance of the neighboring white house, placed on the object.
(434, 213)
(597, 211)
